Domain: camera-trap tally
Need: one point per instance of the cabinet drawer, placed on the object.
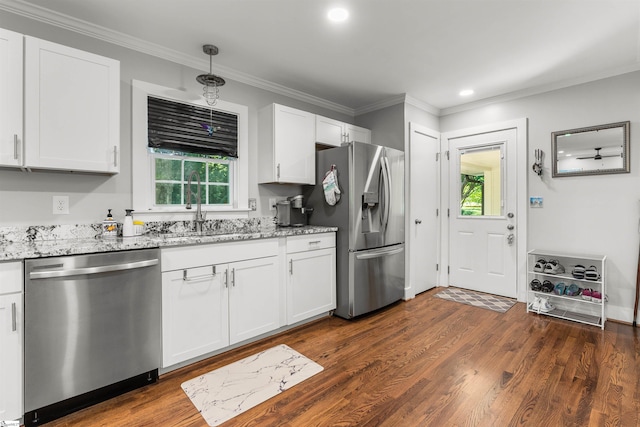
(216, 253)
(310, 242)
(11, 277)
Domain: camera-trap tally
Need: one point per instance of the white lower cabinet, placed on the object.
(195, 309)
(254, 298)
(11, 338)
(206, 307)
(311, 281)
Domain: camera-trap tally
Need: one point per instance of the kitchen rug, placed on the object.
(477, 299)
(231, 390)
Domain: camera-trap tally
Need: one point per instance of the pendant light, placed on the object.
(210, 81)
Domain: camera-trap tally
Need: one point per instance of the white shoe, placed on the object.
(535, 305)
(545, 305)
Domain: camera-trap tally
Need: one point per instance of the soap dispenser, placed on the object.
(109, 226)
(127, 227)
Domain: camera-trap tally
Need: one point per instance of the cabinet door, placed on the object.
(254, 297)
(72, 109)
(10, 98)
(11, 334)
(357, 134)
(294, 134)
(311, 284)
(194, 313)
(329, 131)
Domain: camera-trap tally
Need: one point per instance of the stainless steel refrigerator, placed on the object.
(370, 219)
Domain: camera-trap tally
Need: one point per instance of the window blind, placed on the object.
(191, 128)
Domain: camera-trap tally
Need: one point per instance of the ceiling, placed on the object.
(427, 49)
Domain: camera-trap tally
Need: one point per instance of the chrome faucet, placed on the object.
(199, 220)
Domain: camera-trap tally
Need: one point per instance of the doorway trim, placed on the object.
(520, 125)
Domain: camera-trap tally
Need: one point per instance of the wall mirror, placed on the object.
(594, 150)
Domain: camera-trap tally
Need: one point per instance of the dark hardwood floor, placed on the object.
(424, 362)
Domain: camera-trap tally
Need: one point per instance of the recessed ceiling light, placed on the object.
(338, 14)
(466, 92)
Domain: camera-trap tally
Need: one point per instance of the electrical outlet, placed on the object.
(272, 203)
(253, 205)
(60, 205)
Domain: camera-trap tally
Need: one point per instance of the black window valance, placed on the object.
(191, 128)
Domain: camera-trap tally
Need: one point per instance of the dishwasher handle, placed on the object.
(92, 270)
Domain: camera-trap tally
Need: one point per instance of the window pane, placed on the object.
(481, 182)
(194, 190)
(219, 172)
(199, 167)
(219, 194)
(167, 194)
(168, 169)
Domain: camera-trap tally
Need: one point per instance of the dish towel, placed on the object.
(330, 186)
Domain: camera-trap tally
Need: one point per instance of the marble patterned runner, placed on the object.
(477, 299)
(228, 391)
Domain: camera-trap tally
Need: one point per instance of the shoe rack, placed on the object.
(575, 308)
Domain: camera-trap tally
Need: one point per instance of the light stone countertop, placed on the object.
(20, 250)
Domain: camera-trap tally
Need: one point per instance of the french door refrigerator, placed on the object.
(370, 219)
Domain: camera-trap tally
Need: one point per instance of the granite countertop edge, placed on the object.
(18, 251)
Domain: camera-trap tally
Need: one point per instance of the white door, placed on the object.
(424, 184)
(482, 211)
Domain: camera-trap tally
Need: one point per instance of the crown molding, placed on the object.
(399, 99)
(79, 26)
(424, 106)
(536, 90)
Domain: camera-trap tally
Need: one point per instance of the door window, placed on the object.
(481, 183)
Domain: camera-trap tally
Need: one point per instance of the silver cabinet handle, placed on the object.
(115, 156)
(185, 277)
(278, 171)
(314, 242)
(15, 146)
(14, 322)
(233, 277)
(91, 270)
(291, 266)
(226, 278)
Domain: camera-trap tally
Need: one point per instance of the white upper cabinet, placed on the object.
(72, 109)
(334, 132)
(357, 134)
(286, 152)
(10, 98)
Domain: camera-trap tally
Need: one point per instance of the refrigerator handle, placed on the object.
(386, 196)
(379, 253)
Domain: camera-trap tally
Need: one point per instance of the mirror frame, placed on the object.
(626, 168)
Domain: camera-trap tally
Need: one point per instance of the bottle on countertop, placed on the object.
(109, 226)
(127, 227)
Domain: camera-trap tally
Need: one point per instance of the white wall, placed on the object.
(26, 198)
(593, 214)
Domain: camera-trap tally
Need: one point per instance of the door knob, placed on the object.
(510, 227)
(510, 214)
(418, 221)
(510, 239)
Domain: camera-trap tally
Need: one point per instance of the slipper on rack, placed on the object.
(596, 296)
(536, 285)
(547, 286)
(539, 266)
(559, 288)
(586, 294)
(578, 272)
(572, 290)
(591, 273)
(553, 267)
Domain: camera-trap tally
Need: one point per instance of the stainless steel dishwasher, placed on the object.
(92, 329)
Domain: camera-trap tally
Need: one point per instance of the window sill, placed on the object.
(181, 214)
